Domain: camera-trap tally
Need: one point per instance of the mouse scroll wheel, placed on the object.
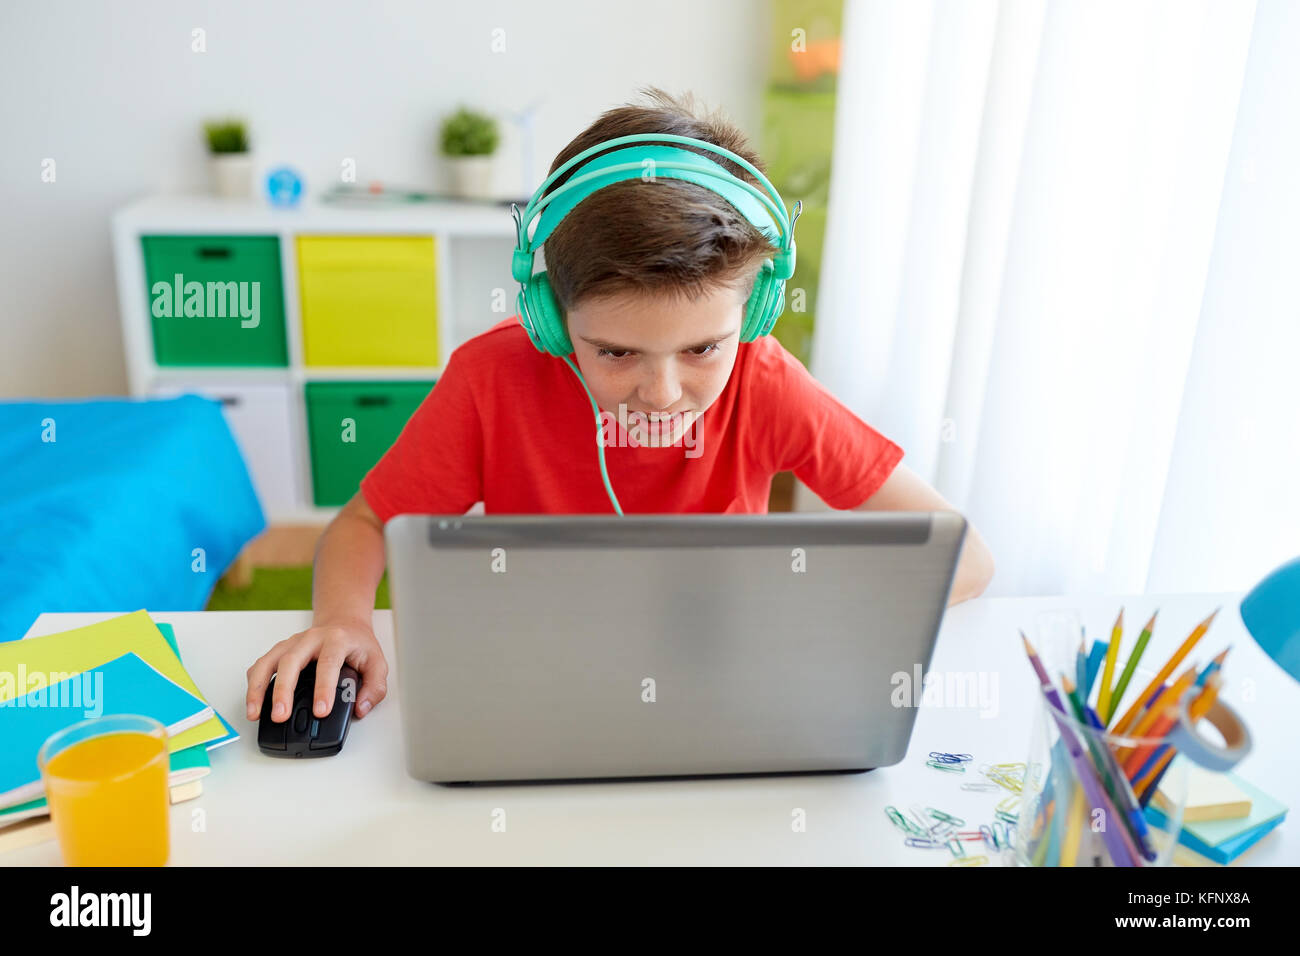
(300, 719)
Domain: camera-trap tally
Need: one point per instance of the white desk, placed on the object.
(360, 807)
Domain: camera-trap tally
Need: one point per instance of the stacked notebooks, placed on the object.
(1224, 815)
(124, 665)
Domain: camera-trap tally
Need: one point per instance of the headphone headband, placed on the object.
(769, 217)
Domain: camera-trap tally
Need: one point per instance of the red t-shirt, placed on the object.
(513, 428)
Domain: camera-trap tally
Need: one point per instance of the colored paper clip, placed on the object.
(950, 758)
(969, 861)
(1011, 776)
(945, 766)
(956, 848)
(989, 836)
(1008, 840)
(940, 815)
(900, 821)
(925, 844)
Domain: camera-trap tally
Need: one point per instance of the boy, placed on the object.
(652, 280)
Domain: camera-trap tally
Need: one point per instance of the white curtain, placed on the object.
(1062, 270)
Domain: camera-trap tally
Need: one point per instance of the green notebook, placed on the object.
(185, 765)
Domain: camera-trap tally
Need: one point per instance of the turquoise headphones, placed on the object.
(540, 312)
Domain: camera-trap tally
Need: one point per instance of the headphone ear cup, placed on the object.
(776, 308)
(548, 319)
(758, 317)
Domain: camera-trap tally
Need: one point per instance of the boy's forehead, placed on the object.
(631, 319)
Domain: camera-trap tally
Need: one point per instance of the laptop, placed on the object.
(545, 647)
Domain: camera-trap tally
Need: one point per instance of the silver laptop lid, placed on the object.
(545, 647)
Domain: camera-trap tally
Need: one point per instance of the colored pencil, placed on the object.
(1158, 762)
(1108, 672)
(1113, 778)
(1118, 842)
(1118, 694)
(1167, 698)
(1081, 668)
(1157, 682)
(1074, 829)
(1096, 654)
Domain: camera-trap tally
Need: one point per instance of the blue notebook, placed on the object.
(126, 685)
(1224, 840)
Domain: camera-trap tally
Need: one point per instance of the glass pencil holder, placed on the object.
(1086, 789)
(1091, 792)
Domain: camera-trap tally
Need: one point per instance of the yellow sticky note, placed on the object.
(58, 656)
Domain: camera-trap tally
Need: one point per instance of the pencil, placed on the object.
(1129, 668)
(1156, 710)
(1167, 698)
(1113, 778)
(1074, 829)
(1117, 839)
(1108, 672)
(1081, 668)
(1156, 764)
(1158, 681)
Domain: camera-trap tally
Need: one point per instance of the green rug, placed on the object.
(278, 589)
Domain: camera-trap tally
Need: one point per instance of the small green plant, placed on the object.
(226, 136)
(467, 133)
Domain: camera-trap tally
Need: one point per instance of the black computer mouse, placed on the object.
(304, 734)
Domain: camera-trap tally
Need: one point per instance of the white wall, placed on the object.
(114, 94)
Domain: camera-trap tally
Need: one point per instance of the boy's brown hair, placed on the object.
(671, 238)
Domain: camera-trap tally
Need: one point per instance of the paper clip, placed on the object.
(946, 766)
(981, 787)
(989, 836)
(940, 815)
(900, 821)
(1008, 775)
(969, 861)
(950, 758)
(956, 848)
(925, 844)
(1006, 840)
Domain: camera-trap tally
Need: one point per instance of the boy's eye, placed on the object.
(623, 353)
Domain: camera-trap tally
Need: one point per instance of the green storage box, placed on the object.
(350, 425)
(234, 316)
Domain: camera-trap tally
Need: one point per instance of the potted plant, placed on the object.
(469, 140)
(232, 164)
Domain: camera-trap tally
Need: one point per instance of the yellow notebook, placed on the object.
(83, 648)
(1210, 796)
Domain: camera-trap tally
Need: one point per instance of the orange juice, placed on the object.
(108, 800)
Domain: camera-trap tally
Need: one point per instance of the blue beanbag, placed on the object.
(116, 505)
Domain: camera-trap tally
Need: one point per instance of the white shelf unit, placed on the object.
(472, 247)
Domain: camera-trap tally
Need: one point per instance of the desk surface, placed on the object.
(360, 807)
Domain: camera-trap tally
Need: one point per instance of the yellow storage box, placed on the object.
(368, 300)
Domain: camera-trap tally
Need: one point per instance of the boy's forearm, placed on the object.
(349, 563)
(974, 569)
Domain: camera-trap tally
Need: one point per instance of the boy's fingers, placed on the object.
(374, 683)
(286, 679)
(327, 681)
(259, 675)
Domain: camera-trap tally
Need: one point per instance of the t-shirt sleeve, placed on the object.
(436, 464)
(828, 447)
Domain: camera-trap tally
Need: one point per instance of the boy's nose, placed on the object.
(660, 393)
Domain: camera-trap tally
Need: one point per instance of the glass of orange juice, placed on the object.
(106, 784)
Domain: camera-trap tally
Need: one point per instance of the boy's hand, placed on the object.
(331, 646)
